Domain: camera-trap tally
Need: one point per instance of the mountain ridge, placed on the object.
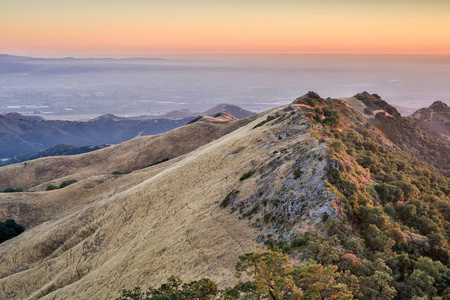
(316, 171)
(435, 120)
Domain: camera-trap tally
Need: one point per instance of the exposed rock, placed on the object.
(305, 99)
(291, 194)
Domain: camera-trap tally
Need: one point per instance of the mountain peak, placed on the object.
(374, 103)
(435, 120)
(439, 106)
(16, 115)
(234, 110)
(106, 118)
(221, 117)
(306, 98)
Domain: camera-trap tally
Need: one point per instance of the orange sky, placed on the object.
(224, 26)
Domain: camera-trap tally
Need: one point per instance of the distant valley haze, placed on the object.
(64, 87)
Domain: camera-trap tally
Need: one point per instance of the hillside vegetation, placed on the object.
(312, 200)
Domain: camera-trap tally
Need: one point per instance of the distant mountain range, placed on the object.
(233, 110)
(58, 150)
(28, 137)
(7, 57)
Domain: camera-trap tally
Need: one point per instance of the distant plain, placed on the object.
(79, 89)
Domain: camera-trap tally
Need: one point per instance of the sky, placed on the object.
(224, 26)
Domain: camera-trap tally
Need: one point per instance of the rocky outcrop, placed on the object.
(308, 98)
(290, 194)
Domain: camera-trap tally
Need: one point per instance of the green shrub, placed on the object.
(66, 183)
(227, 198)
(11, 190)
(63, 184)
(264, 201)
(9, 229)
(325, 216)
(298, 172)
(269, 118)
(117, 173)
(158, 162)
(267, 217)
(299, 242)
(51, 187)
(275, 202)
(252, 211)
(337, 145)
(334, 176)
(247, 175)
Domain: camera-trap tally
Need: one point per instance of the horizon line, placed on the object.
(226, 53)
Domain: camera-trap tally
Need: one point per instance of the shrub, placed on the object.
(158, 162)
(254, 209)
(51, 187)
(116, 173)
(337, 146)
(66, 183)
(9, 229)
(267, 217)
(298, 172)
(269, 118)
(63, 184)
(227, 198)
(299, 242)
(247, 175)
(11, 190)
(204, 289)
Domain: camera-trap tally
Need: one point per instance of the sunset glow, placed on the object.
(213, 26)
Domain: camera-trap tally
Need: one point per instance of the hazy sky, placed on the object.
(224, 26)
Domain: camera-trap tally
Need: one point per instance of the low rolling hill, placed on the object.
(29, 135)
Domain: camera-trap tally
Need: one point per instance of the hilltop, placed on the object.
(230, 109)
(345, 182)
(29, 136)
(435, 120)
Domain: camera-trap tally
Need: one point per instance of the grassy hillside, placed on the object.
(315, 179)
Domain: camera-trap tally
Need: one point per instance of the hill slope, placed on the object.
(169, 206)
(231, 109)
(435, 120)
(27, 134)
(315, 169)
(21, 134)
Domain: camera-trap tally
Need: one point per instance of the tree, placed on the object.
(273, 277)
(9, 229)
(271, 272)
(175, 289)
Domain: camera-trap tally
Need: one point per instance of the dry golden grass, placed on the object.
(359, 106)
(107, 232)
(125, 157)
